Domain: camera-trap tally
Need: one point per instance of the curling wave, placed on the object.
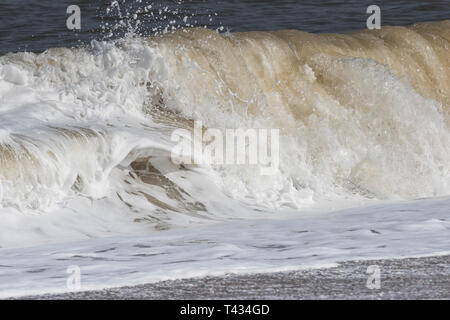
(362, 115)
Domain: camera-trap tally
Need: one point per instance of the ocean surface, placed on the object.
(31, 25)
(90, 119)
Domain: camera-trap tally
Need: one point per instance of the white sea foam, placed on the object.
(85, 134)
(390, 230)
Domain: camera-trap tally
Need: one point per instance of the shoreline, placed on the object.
(409, 278)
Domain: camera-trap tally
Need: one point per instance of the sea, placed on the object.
(143, 141)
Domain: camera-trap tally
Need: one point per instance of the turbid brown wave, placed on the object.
(364, 111)
(269, 66)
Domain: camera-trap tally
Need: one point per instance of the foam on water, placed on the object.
(389, 230)
(362, 115)
(85, 137)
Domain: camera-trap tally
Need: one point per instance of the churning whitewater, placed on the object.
(85, 133)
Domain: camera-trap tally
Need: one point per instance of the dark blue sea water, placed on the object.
(35, 25)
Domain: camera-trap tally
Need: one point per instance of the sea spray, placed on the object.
(86, 132)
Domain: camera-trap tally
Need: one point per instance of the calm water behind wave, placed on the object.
(36, 25)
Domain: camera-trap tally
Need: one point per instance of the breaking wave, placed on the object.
(362, 115)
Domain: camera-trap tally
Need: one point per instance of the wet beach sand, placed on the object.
(413, 278)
